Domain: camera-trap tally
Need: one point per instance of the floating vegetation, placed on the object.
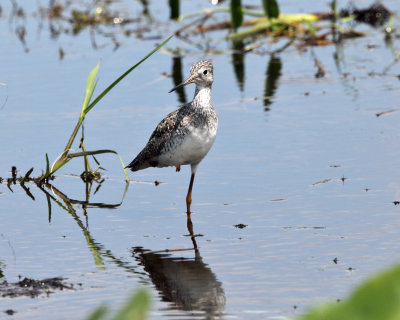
(102, 19)
(136, 308)
(306, 28)
(109, 20)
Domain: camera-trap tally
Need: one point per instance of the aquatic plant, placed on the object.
(88, 105)
(136, 308)
(272, 23)
(377, 298)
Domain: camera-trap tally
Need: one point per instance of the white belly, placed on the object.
(192, 149)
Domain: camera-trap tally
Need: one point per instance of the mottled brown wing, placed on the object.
(159, 137)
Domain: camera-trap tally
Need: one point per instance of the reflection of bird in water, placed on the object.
(188, 283)
(185, 135)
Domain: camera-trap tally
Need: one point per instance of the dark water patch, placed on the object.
(273, 73)
(177, 76)
(238, 53)
(33, 288)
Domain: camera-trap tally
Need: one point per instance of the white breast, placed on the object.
(193, 148)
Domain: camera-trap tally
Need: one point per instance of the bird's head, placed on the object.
(201, 73)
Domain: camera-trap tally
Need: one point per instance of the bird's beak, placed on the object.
(191, 79)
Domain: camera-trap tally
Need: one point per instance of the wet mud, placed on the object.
(32, 288)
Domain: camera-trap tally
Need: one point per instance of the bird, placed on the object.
(186, 135)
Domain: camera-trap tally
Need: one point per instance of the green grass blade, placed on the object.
(26, 177)
(125, 190)
(389, 27)
(112, 85)
(271, 8)
(59, 166)
(89, 153)
(334, 10)
(311, 28)
(98, 313)
(125, 172)
(376, 298)
(49, 207)
(220, 9)
(263, 25)
(90, 86)
(47, 165)
(136, 308)
(236, 13)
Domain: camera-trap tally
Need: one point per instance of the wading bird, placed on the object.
(185, 135)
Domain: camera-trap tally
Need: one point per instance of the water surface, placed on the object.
(311, 172)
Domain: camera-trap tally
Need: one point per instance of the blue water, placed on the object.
(263, 171)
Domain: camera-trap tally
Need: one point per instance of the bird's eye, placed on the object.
(205, 72)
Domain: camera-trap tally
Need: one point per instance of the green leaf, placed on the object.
(98, 313)
(124, 168)
(377, 298)
(271, 8)
(112, 85)
(90, 86)
(236, 13)
(57, 166)
(136, 308)
(47, 165)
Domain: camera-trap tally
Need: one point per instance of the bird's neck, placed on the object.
(202, 96)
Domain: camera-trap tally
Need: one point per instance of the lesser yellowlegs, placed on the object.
(185, 135)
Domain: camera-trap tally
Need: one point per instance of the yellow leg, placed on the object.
(190, 226)
(190, 229)
(189, 194)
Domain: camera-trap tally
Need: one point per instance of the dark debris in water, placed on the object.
(28, 287)
(10, 312)
(376, 15)
(240, 226)
(396, 203)
(321, 182)
(384, 113)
